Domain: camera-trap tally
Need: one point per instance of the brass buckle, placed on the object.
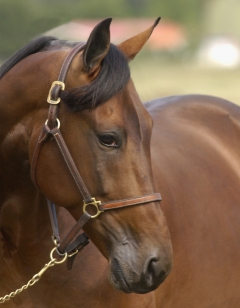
(96, 204)
(55, 83)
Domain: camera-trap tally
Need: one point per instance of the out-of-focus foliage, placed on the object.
(21, 20)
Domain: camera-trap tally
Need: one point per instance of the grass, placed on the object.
(153, 78)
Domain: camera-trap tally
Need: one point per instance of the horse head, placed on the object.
(107, 130)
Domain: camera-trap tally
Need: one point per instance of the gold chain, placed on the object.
(36, 277)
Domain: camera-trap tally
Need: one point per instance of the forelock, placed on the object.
(112, 78)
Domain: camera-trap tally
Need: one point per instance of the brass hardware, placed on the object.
(96, 204)
(58, 123)
(55, 241)
(65, 255)
(73, 254)
(55, 83)
(36, 277)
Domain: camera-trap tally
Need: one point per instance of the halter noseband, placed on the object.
(52, 129)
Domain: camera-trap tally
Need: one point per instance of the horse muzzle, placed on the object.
(138, 273)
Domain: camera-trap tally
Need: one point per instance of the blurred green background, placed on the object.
(156, 72)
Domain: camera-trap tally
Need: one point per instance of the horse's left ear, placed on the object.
(97, 46)
(133, 45)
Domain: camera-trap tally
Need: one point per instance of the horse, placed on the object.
(183, 253)
(96, 143)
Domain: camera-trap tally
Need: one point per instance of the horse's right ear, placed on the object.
(97, 46)
(133, 45)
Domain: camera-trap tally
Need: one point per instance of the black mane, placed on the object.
(112, 78)
(34, 46)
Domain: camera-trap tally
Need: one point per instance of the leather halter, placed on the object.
(51, 129)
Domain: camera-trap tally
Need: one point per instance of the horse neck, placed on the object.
(23, 221)
(23, 212)
(22, 208)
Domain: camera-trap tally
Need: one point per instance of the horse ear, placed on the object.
(97, 46)
(133, 45)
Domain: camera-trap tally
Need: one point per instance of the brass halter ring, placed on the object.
(58, 123)
(94, 203)
(64, 256)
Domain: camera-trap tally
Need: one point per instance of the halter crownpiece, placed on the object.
(52, 129)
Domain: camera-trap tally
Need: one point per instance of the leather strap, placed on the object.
(66, 243)
(54, 221)
(77, 246)
(66, 64)
(53, 108)
(128, 202)
(55, 132)
(55, 91)
(42, 138)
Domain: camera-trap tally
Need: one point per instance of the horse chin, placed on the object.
(119, 283)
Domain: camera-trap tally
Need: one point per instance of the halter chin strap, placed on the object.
(73, 243)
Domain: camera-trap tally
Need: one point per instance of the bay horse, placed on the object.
(195, 163)
(75, 134)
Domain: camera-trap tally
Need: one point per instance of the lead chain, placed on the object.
(36, 277)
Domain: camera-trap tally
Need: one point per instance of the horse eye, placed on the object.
(108, 140)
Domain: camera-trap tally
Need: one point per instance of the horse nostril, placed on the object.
(154, 268)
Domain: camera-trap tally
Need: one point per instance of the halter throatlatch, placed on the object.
(73, 243)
